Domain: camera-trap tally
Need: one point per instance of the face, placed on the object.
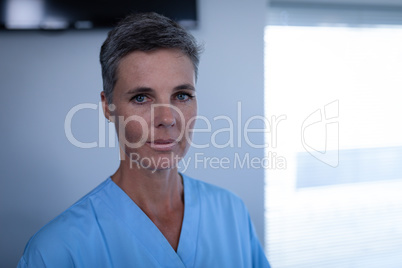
(154, 107)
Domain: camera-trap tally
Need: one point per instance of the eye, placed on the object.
(184, 96)
(139, 98)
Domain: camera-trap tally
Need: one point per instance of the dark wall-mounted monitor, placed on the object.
(88, 14)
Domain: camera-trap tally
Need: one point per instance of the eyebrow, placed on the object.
(139, 90)
(185, 86)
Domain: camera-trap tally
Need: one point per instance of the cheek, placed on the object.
(135, 131)
(132, 128)
(190, 119)
(190, 112)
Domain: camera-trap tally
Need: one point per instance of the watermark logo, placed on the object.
(325, 130)
(319, 135)
(201, 160)
(236, 126)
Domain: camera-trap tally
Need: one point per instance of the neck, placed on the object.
(155, 192)
(158, 193)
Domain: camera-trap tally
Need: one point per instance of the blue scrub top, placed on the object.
(106, 228)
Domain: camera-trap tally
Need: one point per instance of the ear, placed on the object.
(105, 107)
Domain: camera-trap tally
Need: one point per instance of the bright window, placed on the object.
(338, 202)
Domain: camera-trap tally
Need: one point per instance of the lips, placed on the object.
(162, 144)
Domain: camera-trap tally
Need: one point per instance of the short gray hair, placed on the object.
(143, 32)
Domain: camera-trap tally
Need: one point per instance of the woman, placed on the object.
(147, 214)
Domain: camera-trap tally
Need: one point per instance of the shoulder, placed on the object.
(66, 229)
(214, 195)
(209, 189)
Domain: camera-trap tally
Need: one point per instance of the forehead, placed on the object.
(145, 65)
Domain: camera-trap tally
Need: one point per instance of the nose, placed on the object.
(164, 115)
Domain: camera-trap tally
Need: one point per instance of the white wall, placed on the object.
(43, 75)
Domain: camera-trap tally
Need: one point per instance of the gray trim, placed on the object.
(352, 15)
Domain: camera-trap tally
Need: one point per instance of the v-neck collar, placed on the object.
(152, 239)
(189, 229)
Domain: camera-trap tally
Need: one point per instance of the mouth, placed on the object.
(162, 144)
